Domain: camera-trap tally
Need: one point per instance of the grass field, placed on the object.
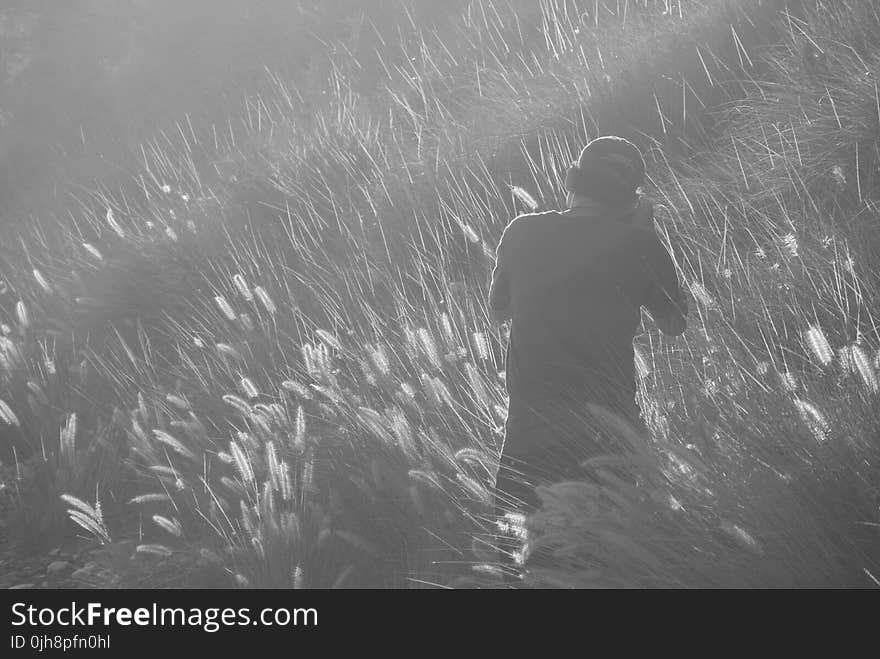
(263, 352)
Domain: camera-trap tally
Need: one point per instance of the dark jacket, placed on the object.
(572, 283)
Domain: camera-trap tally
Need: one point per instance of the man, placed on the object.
(573, 283)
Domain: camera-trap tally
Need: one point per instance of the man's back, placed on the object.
(572, 283)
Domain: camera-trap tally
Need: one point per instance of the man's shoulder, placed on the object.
(529, 221)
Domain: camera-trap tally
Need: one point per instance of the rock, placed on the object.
(57, 569)
(95, 576)
(86, 572)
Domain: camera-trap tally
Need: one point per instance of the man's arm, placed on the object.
(664, 298)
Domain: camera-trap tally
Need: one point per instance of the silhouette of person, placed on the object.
(572, 283)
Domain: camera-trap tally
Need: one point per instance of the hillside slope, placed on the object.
(270, 342)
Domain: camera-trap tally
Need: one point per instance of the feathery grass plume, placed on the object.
(481, 345)
(274, 467)
(48, 358)
(172, 234)
(702, 295)
(407, 399)
(278, 413)
(83, 506)
(138, 431)
(441, 392)
(476, 456)
(242, 463)
(814, 420)
(280, 472)
(380, 359)
(242, 287)
(367, 370)
(525, 198)
(192, 426)
(429, 388)
(308, 471)
(479, 492)
(261, 422)
(228, 351)
(232, 485)
(789, 241)
(164, 470)
(741, 536)
(447, 331)
(429, 478)
(513, 524)
(152, 497)
(41, 280)
(299, 389)
(38, 392)
(178, 401)
(299, 432)
(845, 357)
(91, 249)
(477, 385)
(426, 339)
(408, 392)
(411, 342)
(175, 444)
(21, 313)
(225, 308)
(265, 300)
(865, 368)
(246, 321)
(469, 233)
(309, 361)
(247, 440)
(10, 355)
(89, 518)
(88, 523)
(269, 509)
(298, 577)
(249, 388)
(402, 432)
(158, 550)
(172, 526)
(788, 380)
(329, 392)
(7, 415)
(643, 368)
(375, 423)
(68, 438)
(113, 224)
(329, 339)
(818, 344)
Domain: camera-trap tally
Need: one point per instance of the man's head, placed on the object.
(609, 170)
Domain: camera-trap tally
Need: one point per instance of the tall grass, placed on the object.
(275, 344)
